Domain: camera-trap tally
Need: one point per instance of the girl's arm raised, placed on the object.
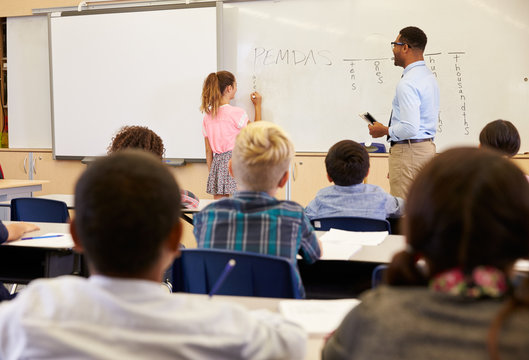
(256, 100)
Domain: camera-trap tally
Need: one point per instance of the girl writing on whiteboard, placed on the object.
(222, 122)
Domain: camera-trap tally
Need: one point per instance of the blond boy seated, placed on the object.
(253, 219)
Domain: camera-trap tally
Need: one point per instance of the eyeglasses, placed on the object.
(393, 43)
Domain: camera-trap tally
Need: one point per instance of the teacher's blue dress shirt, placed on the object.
(415, 105)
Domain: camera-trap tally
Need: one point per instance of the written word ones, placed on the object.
(292, 57)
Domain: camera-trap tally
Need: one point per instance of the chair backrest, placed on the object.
(378, 274)
(197, 271)
(39, 210)
(351, 223)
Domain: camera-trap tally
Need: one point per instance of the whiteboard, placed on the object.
(317, 102)
(134, 68)
(320, 63)
(28, 82)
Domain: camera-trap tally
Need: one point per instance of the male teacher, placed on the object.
(415, 112)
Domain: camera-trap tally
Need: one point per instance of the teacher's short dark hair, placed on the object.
(414, 37)
(501, 135)
(126, 205)
(347, 163)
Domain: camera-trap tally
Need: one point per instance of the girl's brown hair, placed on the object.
(213, 89)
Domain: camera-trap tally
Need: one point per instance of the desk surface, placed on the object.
(392, 244)
(45, 228)
(11, 183)
(315, 342)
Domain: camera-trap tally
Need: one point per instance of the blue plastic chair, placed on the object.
(351, 223)
(39, 210)
(378, 274)
(197, 271)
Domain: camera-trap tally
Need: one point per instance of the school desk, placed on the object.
(10, 189)
(315, 341)
(25, 260)
(337, 278)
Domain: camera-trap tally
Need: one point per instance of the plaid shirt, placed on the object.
(257, 222)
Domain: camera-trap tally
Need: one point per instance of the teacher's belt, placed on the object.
(410, 141)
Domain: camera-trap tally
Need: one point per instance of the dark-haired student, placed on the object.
(127, 223)
(141, 137)
(500, 135)
(13, 232)
(347, 164)
(466, 217)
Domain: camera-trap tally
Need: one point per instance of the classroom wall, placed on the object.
(25, 7)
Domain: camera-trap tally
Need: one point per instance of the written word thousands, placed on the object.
(291, 57)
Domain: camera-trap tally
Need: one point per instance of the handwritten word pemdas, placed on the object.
(292, 57)
(462, 98)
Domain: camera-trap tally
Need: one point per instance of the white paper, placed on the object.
(522, 265)
(341, 251)
(319, 317)
(64, 241)
(369, 238)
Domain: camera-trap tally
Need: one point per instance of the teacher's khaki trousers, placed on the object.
(405, 161)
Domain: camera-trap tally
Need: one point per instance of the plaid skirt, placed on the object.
(220, 181)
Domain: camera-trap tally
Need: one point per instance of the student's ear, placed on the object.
(230, 169)
(329, 178)
(78, 246)
(283, 180)
(174, 239)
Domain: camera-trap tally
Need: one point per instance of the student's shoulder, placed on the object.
(372, 188)
(290, 205)
(50, 289)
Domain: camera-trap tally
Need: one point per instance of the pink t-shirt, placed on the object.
(222, 130)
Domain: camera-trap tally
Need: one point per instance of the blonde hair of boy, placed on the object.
(261, 157)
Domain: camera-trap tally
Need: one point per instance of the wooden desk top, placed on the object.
(12, 183)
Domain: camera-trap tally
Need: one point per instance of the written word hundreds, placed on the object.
(292, 57)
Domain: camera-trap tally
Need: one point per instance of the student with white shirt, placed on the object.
(127, 223)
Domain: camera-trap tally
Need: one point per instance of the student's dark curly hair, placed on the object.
(137, 137)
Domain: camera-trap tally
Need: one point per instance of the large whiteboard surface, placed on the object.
(134, 68)
(320, 63)
(316, 102)
(28, 82)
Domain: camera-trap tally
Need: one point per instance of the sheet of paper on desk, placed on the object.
(338, 251)
(370, 238)
(60, 242)
(319, 317)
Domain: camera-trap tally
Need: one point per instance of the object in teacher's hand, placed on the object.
(368, 118)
